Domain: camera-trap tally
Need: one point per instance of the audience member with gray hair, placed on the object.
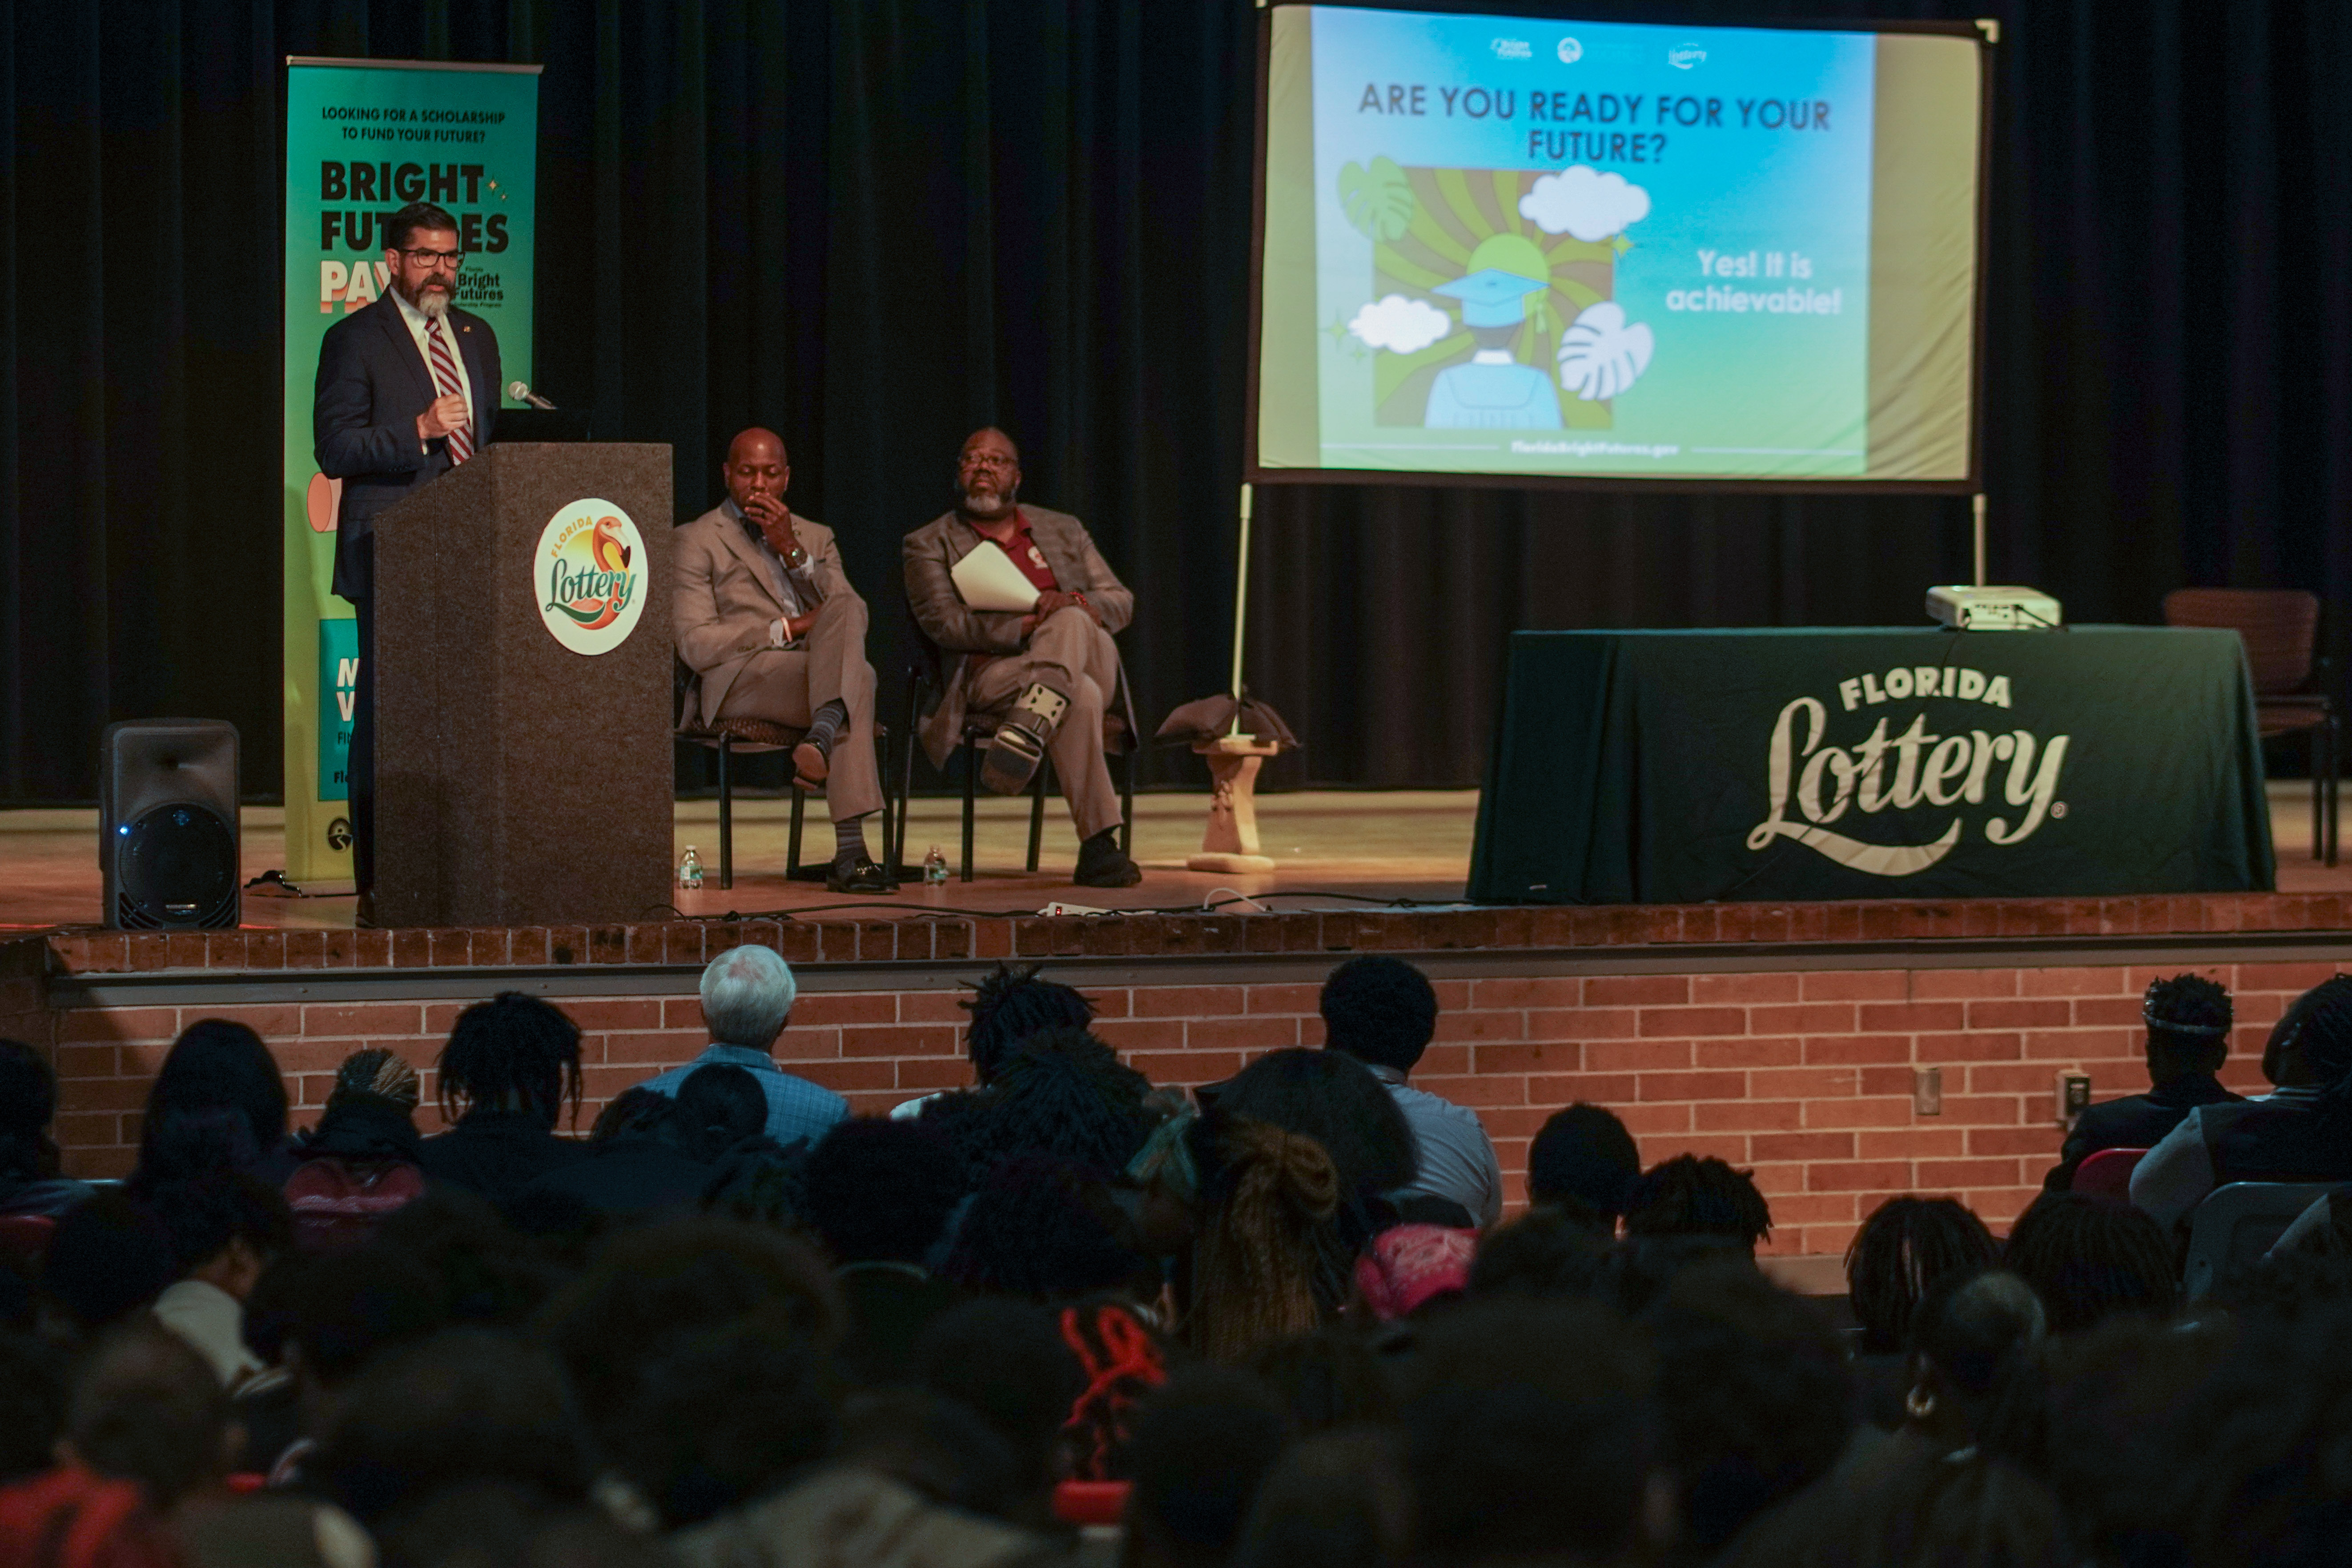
(747, 1000)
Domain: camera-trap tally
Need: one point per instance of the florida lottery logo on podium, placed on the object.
(589, 576)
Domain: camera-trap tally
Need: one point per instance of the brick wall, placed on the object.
(1806, 1078)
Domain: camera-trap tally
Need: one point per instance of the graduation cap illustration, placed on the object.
(1492, 297)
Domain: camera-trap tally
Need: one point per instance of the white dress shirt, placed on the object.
(416, 329)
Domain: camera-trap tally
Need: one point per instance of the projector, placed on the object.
(2012, 609)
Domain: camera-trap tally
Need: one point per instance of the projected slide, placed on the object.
(1511, 246)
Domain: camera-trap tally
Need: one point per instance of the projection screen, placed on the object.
(1505, 249)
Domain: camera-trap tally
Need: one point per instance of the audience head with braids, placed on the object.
(1010, 1005)
(379, 1072)
(1264, 1192)
(514, 1052)
(1906, 1246)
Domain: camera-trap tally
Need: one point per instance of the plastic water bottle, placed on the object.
(935, 868)
(689, 871)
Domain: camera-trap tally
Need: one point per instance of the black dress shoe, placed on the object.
(866, 877)
(1101, 864)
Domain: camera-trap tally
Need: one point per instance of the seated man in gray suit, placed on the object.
(1046, 676)
(773, 629)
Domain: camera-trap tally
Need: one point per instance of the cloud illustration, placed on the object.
(1402, 325)
(1585, 203)
(1602, 354)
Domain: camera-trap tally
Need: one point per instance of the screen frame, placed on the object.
(1255, 473)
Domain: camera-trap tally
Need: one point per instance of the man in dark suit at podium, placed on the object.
(409, 388)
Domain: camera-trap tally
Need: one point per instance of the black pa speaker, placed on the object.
(167, 823)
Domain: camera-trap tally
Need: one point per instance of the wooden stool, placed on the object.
(1229, 843)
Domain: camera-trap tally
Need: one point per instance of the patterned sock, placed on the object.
(827, 726)
(848, 843)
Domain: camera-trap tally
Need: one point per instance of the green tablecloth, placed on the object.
(1678, 768)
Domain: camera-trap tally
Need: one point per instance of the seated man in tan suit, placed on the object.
(769, 623)
(1046, 676)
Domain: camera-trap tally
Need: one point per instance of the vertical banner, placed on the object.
(364, 138)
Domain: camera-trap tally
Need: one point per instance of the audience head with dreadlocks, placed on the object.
(514, 1052)
(2188, 1021)
(2090, 1259)
(1009, 1004)
(1693, 1194)
(1906, 1246)
(1063, 1092)
(1268, 1196)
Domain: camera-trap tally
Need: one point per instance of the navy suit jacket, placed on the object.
(372, 384)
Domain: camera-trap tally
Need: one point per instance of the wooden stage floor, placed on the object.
(1378, 846)
(1356, 845)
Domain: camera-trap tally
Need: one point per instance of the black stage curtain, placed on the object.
(876, 224)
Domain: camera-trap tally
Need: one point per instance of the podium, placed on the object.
(523, 681)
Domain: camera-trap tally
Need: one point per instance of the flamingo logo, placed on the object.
(590, 576)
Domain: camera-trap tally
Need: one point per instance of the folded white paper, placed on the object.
(986, 579)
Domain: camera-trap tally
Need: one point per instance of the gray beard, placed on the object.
(1004, 503)
(432, 303)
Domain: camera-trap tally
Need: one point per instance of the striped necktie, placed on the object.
(445, 378)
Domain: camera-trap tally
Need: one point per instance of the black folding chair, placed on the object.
(927, 684)
(731, 737)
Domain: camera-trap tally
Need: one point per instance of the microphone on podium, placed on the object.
(521, 393)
